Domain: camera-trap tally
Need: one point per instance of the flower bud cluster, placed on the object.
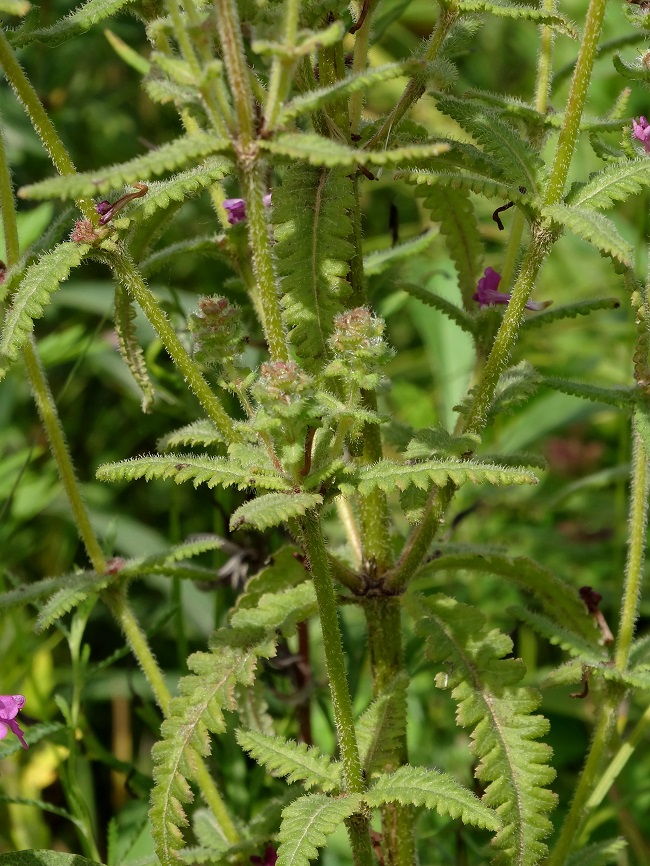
(281, 387)
(218, 331)
(358, 346)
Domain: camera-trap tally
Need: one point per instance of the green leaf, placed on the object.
(312, 100)
(44, 857)
(387, 475)
(571, 641)
(31, 592)
(515, 107)
(283, 571)
(307, 823)
(441, 304)
(598, 854)
(614, 183)
(308, 42)
(419, 786)
(527, 13)
(468, 182)
(167, 157)
(78, 21)
(631, 71)
(40, 281)
(273, 509)
(570, 311)
(197, 712)
(33, 735)
(621, 397)
(453, 209)
(318, 150)
(278, 610)
(199, 470)
(504, 734)
(197, 434)
(382, 726)
(296, 761)
(312, 228)
(130, 348)
(594, 228)
(180, 187)
(380, 260)
(68, 597)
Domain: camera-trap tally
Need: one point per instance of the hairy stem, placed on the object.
(236, 67)
(359, 62)
(280, 78)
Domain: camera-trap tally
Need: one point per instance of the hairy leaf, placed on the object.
(271, 509)
(499, 712)
(598, 854)
(78, 21)
(167, 157)
(382, 726)
(199, 470)
(321, 151)
(570, 311)
(278, 610)
(420, 786)
(594, 228)
(283, 571)
(40, 281)
(296, 761)
(70, 596)
(380, 260)
(198, 433)
(130, 348)
(307, 823)
(468, 182)
(614, 183)
(180, 187)
(446, 307)
(620, 397)
(528, 13)
(312, 227)
(571, 641)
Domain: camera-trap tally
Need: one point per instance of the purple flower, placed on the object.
(9, 707)
(269, 858)
(236, 208)
(641, 130)
(488, 292)
(103, 207)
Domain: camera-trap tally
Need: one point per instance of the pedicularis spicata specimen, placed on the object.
(290, 361)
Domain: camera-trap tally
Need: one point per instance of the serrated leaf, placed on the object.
(68, 597)
(598, 854)
(621, 397)
(78, 21)
(560, 635)
(441, 304)
(40, 281)
(283, 571)
(499, 713)
(130, 348)
(278, 610)
(31, 592)
(382, 726)
(181, 186)
(528, 13)
(594, 228)
(380, 260)
(271, 509)
(614, 183)
(420, 786)
(187, 467)
(570, 311)
(307, 823)
(198, 433)
(318, 150)
(388, 475)
(295, 761)
(168, 157)
(470, 182)
(515, 107)
(33, 734)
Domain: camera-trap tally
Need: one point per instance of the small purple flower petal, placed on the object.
(487, 292)
(641, 131)
(103, 207)
(236, 209)
(266, 200)
(9, 708)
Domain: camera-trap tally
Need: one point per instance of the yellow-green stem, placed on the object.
(236, 67)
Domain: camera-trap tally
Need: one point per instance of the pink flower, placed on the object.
(9, 707)
(488, 292)
(236, 208)
(641, 130)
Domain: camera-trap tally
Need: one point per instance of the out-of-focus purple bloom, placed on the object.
(236, 208)
(103, 207)
(641, 130)
(9, 707)
(269, 859)
(488, 292)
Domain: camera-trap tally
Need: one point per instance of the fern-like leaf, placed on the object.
(32, 592)
(420, 786)
(469, 182)
(40, 281)
(197, 434)
(307, 823)
(379, 261)
(594, 228)
(130, 348)
(563, 636)
(283, 571)
(271, 509)
(614, 183)
(570, 311)
(71, 596)
(320, 151)
(389, 476)
(441, 304)
(278, 610)
(598, 854)
(197, 712)
(382, 726)
(504, 733)
(526, 13)
(199, 470)
(311, 228)
(620, 397)
(455, 213)
(78, 21)
(167, 157)
(295, 761)
(34, 734)
(181, 186)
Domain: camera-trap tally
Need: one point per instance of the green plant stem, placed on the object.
(359, 62)
(416, 86)
(236, 67)
(126, 273)
(349, 523)
(588, 779)
(384, 625)
(635, 553)
(353, 780)
(118, 604)
(576, 101)
(40, 121)
(514, 242)
(545, 61)
(280, 78)
(373, 508)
